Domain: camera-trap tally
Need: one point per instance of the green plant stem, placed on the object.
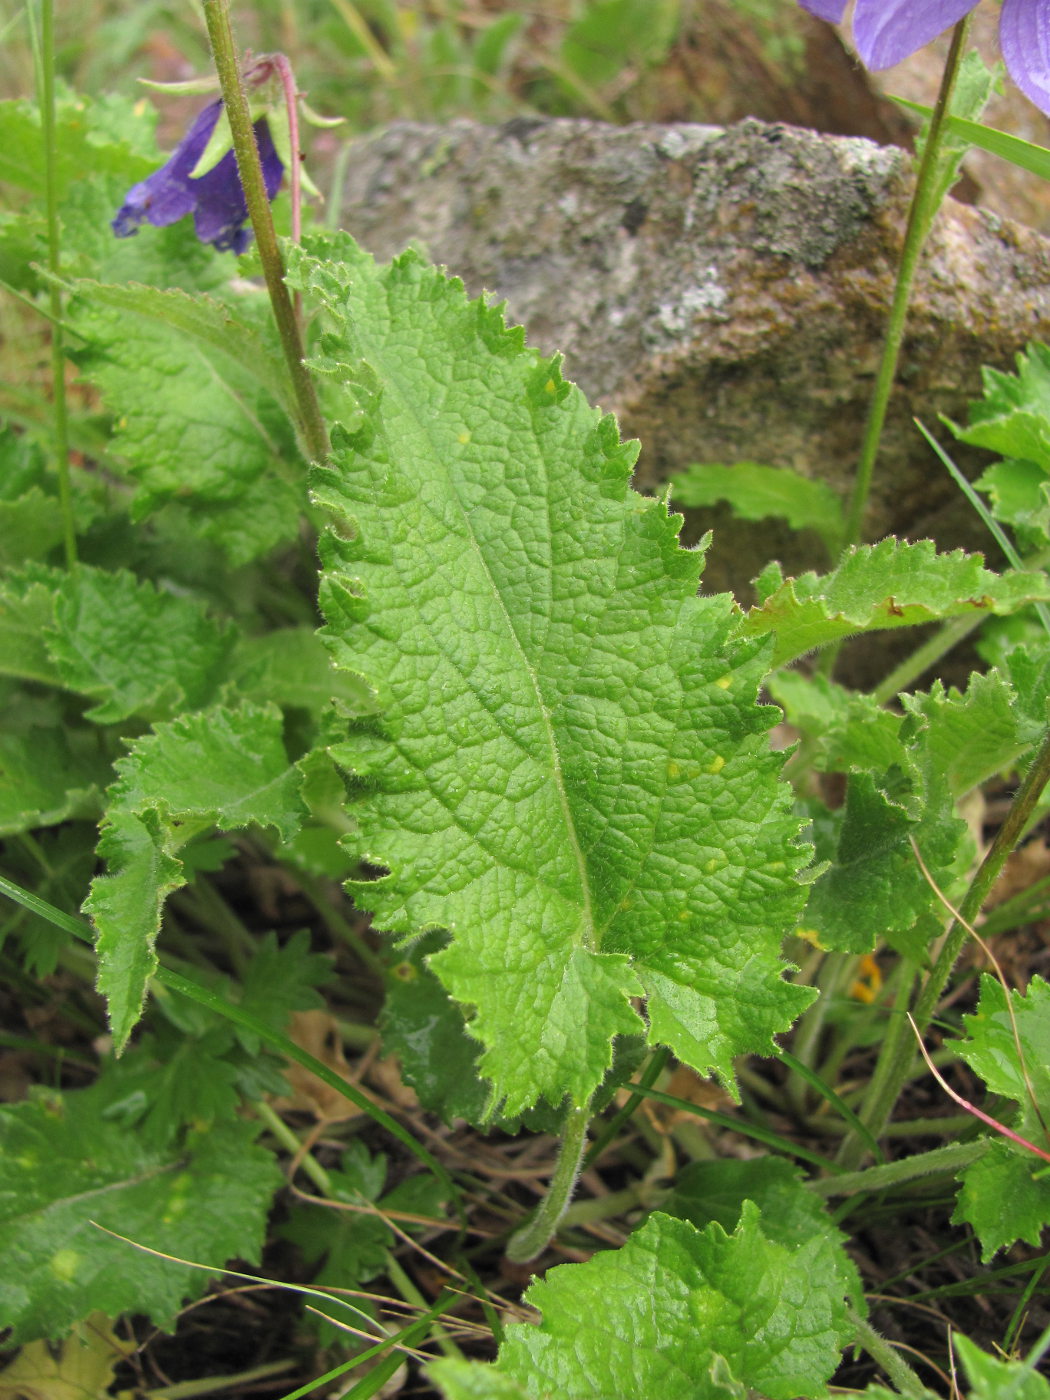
(947, 1125)
(924, 205)
(941, 1161)
(898, 1033)
(60, 419)
(948, 635)
(288, 1140)
(615, 1204)
(538, 1231)
(899, 1048)
(880, 1350)
(337, 925)
(249, 166)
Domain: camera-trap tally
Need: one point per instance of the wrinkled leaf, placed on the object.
(678, 1313)
(571, 773)
(888, 585)
(64, 1165)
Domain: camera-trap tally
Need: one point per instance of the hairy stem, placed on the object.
(879, 1349)
(536, 1234)
(249, 166)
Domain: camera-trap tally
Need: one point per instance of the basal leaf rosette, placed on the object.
(570, 774)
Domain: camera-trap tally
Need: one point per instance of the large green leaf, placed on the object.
(571, 774)
(677, 1313)
(67, 1167)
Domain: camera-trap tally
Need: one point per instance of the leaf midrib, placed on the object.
(391, 380)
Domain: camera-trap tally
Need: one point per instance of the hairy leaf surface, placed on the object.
(195, 421)
(1005, 1195)
(679, 1313)
(571, 774)
(221, 768)
(886, 585)
(64, 1164)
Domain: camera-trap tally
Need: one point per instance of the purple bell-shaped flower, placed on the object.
(215, 198)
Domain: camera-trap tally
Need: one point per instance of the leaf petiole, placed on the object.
(536, 1233)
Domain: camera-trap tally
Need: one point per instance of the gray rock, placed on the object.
(723, 291)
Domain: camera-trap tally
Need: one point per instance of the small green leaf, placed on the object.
(131, 647)
(875, 887)
(195, 420)
(681, 1314)
(290, 666)
(848, 731)
(1005, 1196)
(756, 492)
(969, 737)
(30, 527)
(791, 1214)
(79, 145)
(64, 1165)
(281, 979)
(1020, 495)
(888, 585)
(27, 610)
(43, 782)
(354, 1244)
(228, 768)
(125, 906)
(1013, 417)
(221, 768)
(991, 1049)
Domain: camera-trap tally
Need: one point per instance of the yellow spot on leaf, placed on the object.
(464, 436)
(673, 771)
(551, 387)
(64, 1264)
(810, 935)
(724, 682)
(717, 764)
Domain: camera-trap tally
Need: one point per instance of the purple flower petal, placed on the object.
(887, 31)
(221, 210)
(168, 194)
(831, 10)
(1024, 37)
